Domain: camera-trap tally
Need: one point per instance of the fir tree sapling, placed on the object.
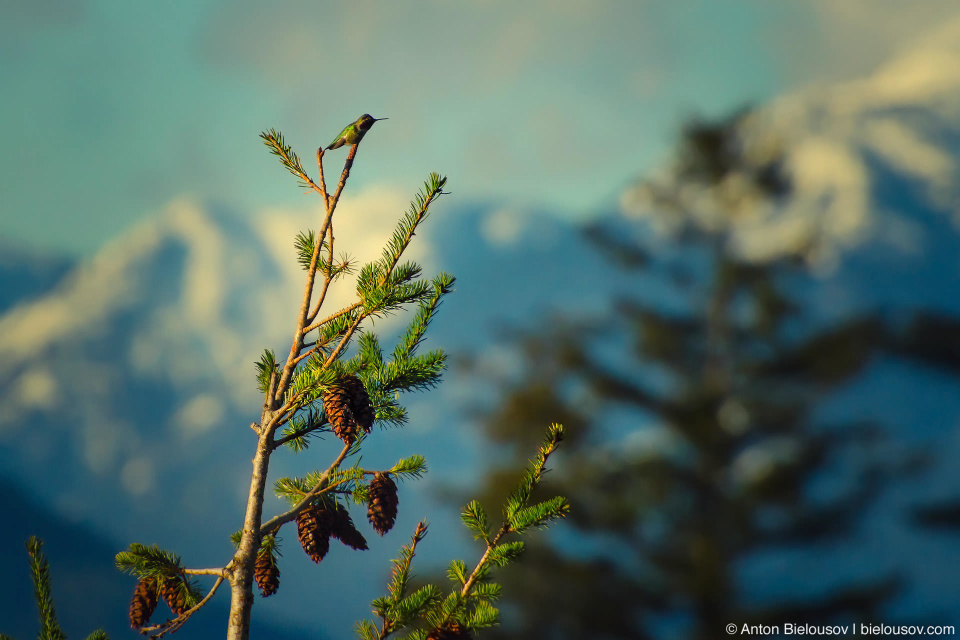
(321, 388)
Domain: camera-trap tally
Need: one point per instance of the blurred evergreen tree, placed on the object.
(707, 378)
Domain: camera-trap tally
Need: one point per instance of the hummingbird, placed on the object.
(354, 132)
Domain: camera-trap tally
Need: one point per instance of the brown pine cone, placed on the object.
(267, 573)
(345, 531)
(359, 402)
(382, 503)
(449, 631)
(144, 602)
(313, 529)
(337, 405)
(347, 404)
(174, 596)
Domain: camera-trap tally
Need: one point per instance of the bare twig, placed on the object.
(304, 355)
(343, 180)
(323, 184)
(328, 277)
(204, 572)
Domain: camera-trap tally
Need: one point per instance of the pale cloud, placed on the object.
(364, 222)
(475, 46)
(200, 414)
(905, 149)
(102, 436)
(503, 227)
(38, 389)
(203, 285)
(138, 476)
(834, 174)
(852, 37)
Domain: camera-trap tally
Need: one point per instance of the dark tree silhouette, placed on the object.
(707, 377)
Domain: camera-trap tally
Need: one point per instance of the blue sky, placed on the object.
(114, 108)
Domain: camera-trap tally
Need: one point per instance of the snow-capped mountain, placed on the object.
(25, 275)
(875, 169)
(125, 390)
(875, 212)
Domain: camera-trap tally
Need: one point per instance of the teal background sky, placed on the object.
(112, 108)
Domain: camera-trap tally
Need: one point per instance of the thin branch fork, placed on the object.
(540, 467)
(293, 436)
(328, 276)
(468, 585)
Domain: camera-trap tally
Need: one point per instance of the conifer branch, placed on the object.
(273, 524)
(343, 341)
(405, 231)
(301, 428)
(204, 572)
(333, 316)
(306, 354)
(348, 163)
(302, 318)
(274, 141)
(40, 573)
(482, 563)
(354, 395)
(172, 625)
(328, 278)
(399, 579)
(298, 335)
(469, 606)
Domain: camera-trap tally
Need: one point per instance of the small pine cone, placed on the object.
(449, 631)
(359, 402)
(337, 405)
(144, 602)
(345, 531)
(173, 595)
(313, 528)
(267, 573)
(382, 503)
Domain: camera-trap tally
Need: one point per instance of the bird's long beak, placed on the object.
(381, 118)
